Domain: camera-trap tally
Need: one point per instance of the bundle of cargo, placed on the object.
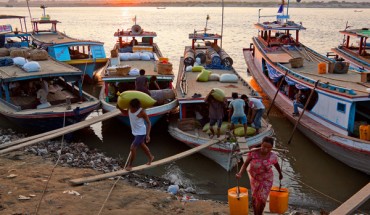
(164, 67)
(189, 57)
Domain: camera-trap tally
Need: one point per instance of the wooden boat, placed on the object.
(67, 102)
(123, 72)
(86, 55)
(14, 37)
(355, 49)
(338, 105)
(192, 93)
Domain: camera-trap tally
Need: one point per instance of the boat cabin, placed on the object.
(37, 29)
(127, 40)
(360, 47)
(14, 37)
(279, 33)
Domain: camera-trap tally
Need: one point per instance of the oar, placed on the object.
(277, 91)
(304, 109)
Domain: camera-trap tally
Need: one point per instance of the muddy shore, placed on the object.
(26, 173)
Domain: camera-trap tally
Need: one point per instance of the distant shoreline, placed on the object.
(333, 4)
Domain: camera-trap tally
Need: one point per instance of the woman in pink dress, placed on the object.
(261, 162)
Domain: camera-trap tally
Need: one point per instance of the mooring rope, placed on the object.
(114, 185)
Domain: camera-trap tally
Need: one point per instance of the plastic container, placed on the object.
(321, 68)
(163, 60)
(238, 206)
(279, 200)
(365, 132)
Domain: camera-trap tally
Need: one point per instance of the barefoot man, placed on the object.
(138, 118)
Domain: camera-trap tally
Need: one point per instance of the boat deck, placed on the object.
(56, 38)
(203, 88)
(49, 68)
(55, 96)
(351, 80)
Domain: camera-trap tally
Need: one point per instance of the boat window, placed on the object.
(341, 107)
(79, 52)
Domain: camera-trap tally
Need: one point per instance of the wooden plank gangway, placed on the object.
(55, 133)
(349, 206)
(80, 181)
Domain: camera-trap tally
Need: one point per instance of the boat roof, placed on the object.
(49, 68)
(59, 38)
(131, 34)
(205, 36)
(148, 66)
(11, 17)
(45, 21)
(279, 26)
(364, 32)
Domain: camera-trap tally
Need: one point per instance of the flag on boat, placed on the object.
(281, 10)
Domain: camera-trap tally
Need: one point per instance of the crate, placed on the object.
(164, 68)
(123, 70)
(296, 62)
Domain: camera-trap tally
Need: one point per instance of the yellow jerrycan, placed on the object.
(321, 68)
(238, 200)
(365, 132)
(279, 200)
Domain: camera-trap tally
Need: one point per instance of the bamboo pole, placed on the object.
(277, 91)
(79, 181)
(304, 109)
(59, 132)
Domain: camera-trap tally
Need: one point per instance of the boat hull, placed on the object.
(154, 113)
(50, 120)
(221, 153)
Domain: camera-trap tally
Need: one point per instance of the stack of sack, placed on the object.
(20, 56)
(206, 75)
(145, 56)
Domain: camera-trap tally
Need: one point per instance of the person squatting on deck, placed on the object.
(236, 113)
(141, 132)
(141, 83)
(261, 175)
(41, 96)
(298, 102)
(255, 111)
(216, 113)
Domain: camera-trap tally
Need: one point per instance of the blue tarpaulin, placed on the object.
(273, 74)
(275, 77)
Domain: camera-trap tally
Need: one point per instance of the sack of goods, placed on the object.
(164, 68)
(240, 131)
(125, 98)
(203, 76)
(218, 94)
(32, 66)
(39, 54)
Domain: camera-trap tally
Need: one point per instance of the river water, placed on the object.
(315, 180)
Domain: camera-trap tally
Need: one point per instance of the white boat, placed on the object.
(339, 105)
(192, 93)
